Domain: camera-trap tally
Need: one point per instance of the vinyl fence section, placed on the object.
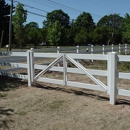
(111, 73)
(14, 66)
(104, 49)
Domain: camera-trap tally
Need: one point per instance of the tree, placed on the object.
(4, 20)
(101, 35)
(33, 33)
(18, 23)
(57, 15)
(54, 33)
(84, 21)
(33, 25)
(82, 37)
(126, 33)
(116, 23)
(83, 25)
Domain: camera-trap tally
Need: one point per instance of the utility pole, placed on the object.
(1, 38)
(10, 26)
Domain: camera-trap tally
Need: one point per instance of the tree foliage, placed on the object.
(33, 33)
(57, 15)
(116, 24)
(54, 33)
(4, 20)
(84, 21)
(82, 37)
(127, 27)
(19, 19)
(101, 35)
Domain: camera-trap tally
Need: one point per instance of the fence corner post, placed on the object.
(28, 68)
(112, 79)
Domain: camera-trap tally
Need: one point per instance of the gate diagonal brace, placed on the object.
(48, 67)
(82, 68)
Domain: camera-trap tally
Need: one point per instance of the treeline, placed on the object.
(59, 30)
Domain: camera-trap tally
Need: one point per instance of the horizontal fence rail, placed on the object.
(111, 73)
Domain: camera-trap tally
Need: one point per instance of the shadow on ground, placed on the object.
(4, 122)
(84, 92)
(8, 83)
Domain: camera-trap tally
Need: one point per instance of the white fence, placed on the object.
(104, 49)
(111, 73)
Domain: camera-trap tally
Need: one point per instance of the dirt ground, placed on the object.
(47, 106)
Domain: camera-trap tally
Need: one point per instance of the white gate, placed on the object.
(111, 73)
(65, 58)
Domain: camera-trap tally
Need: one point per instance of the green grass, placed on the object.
(2, 95)
(56, 104)
(22, 113)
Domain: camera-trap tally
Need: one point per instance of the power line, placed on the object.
(36, 9)
(32, 7)
(36, 14)
(64, 6)
(69, 7)
(58, 4)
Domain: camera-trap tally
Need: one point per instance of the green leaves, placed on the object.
(54, 33)
(82, 27)
(127, 27)
(85, 20)
(82, 37)
(57, 15)
(4, 21)
(18, 22)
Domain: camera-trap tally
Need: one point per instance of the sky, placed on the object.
(37, 9)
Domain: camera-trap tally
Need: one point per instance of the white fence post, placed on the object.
(112, 47)
(32, 64)
(119, 49)
(29, 68)
(65, 70)
(112, 82)
(58, 51)
(125, 49)
(103, 49)
(92, 51)
(77, 51)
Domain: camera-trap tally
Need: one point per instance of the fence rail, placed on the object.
(111, 73)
